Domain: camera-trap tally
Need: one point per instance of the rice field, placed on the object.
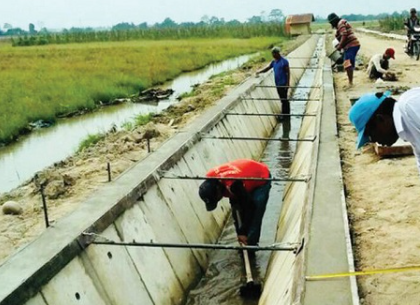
(45, 82)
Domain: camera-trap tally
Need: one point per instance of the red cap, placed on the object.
(390, 52)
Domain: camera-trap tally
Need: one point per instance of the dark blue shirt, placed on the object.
(280, 74)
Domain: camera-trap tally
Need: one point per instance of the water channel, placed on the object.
(225, 275)
(42, 148)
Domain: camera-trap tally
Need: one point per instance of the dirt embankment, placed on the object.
(70, 182)
(382, 194)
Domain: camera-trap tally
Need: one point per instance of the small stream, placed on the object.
(225, 274)
(42, 148)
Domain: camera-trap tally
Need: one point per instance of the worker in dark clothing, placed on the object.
(249, 197)
(409, 24)
(281, 68)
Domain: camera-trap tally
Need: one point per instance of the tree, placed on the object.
(32, 29)
(205, 19)
(168, 23)
(7, 26)
(143, 25)
(276, 15)
(123, 26)
(255, 19)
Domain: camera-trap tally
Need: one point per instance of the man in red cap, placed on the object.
(248, 197)
(379, 65)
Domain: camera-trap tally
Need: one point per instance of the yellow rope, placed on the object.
(364, 272)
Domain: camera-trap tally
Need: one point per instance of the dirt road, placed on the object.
(382, 195)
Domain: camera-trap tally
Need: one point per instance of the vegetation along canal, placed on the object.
(42, 148)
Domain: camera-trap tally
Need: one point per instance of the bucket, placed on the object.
(336, 57)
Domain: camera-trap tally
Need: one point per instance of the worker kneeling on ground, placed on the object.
(380, 118)
(249, 197)
(379, 66)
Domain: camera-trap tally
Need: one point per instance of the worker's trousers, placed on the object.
(259, 200)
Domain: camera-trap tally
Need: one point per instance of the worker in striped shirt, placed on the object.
(347, 42)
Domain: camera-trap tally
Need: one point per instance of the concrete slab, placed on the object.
(73, 286)
(165, 288)
(37, 300)
(187, 264)
(105, 260)
(328, 247)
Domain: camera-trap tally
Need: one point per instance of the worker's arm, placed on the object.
(377, 63)
(242, 201)
(263, 70)
(342, 33)
(342, 42)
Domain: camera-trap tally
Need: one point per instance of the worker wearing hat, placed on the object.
(380, 118)
(409, 24)
(249, 197)
(379, 65)
(347, 42)
(280, 66)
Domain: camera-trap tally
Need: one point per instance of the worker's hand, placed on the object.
(243, 239)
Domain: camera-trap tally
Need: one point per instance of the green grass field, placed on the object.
(44, 82)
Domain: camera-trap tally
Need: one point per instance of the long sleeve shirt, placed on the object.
(407, 119)
(375, 61)
(345, 35)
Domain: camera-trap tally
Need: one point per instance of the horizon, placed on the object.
(56, 14)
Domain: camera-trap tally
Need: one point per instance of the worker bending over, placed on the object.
(249, 197)
(380, 118)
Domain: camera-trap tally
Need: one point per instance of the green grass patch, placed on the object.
(44, 82)
(187, 94)
(90, 140)
(143, 119)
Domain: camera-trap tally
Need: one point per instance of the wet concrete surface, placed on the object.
(226, 274)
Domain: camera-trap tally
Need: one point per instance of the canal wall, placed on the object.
(62, 267)
(314, 214)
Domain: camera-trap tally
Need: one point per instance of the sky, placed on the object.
(56, 14)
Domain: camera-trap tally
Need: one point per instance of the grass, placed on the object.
(90, 140)
(44, 82)
(140, 120)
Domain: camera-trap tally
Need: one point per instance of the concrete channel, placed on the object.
(143, 205)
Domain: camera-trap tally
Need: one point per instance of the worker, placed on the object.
(281, 68)
(248, 197)
(379, 118)
(347, 42)
(379, 65)
(409, 24)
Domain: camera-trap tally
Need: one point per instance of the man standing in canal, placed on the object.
(281, 68)
(248, 197)
(380, 118)
(347, 42)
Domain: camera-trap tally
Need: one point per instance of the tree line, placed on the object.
(370, 17)
(126, 31)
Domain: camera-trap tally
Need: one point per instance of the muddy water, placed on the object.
(42, 148)
(225, 275)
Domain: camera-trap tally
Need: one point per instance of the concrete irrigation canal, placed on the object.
(157, 202)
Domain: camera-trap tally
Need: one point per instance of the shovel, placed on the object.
(251, 290)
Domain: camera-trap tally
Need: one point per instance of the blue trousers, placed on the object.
(259, 200)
